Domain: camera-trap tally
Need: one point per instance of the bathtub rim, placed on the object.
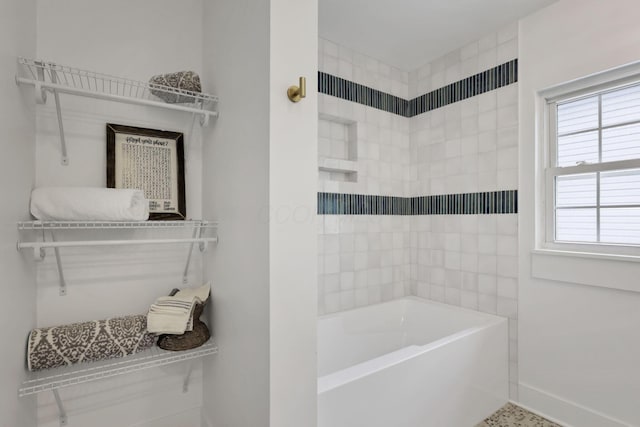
(360, 370)
(490, 317)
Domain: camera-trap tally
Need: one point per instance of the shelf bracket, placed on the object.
(56, 97)
(63, 283)
(197, 233)
(61, 411)
(204, 119)
(190, 134)
(38, 253)
(40, 92)
(187, 377)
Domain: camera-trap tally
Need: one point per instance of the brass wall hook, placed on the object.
(296, 93)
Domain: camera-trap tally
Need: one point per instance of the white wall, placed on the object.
(292, 222)
(579, 346)
(17, 305)
(236, 193)
(134, 40)
(259, 182)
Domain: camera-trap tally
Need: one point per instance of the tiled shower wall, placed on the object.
(465, 147)
(458, 141)
(363, 259)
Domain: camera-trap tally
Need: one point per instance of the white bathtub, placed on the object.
(410, 363)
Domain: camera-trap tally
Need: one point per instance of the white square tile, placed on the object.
(469, 262)
(375, 295)
(437, 276)
(507, 307)
(507, 245)
(331, 263)
(452, 296)
(452, 242)
(507, 51)
(487, 121)
(332, 302)
(453, 279)
(508, 32)
(470, 282)
(361, 297)
(347, 281)
(507, 287)
(436, 293)
(331, 283)
(507, 116)
(508, 96)
(487, 59)
(507, 266)
(360, 261)
(469, 51)
(508, 137)
(487, 264)
(507, 224)
(488, 304)
(507, 179)
(487, 244)
(347, 262)
(469, 67)
(422, 290)
(487, 284)
(469, 300)
(487, 162)
(331, 243)
(488, 42)
(507, 158)
(487, 141)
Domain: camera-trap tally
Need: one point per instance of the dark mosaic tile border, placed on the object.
(351, 91)
(485, 81)
(491, 202)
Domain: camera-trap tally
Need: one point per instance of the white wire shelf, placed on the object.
(55, 78)
(72, 79)
(198, 235)
(53, 379)
(99, 225)
(202, 233)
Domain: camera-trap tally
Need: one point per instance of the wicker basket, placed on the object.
(190, 339)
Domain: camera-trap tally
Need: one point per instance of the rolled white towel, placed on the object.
(88, 204)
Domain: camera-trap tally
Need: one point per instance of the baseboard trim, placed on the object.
(563, 411)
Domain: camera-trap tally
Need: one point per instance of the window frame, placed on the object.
(590, 86)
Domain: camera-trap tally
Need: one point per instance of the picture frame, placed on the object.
(150, 160)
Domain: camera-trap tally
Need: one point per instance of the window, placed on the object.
(593, 173)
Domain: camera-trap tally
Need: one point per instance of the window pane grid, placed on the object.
(594, 173)
(614, 221)
(601, 206)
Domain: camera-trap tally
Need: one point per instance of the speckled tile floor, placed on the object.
(511, 415)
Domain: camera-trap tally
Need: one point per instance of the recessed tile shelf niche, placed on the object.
(337, 149)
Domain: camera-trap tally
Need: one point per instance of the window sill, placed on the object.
(620, 272)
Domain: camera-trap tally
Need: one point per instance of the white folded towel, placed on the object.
(202, 292)
(171, 315)
(88, 204)
(174, 314)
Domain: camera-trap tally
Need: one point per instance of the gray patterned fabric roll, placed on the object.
(87, 342)
(185, 80)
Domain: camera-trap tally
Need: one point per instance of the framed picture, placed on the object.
(149, 160)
